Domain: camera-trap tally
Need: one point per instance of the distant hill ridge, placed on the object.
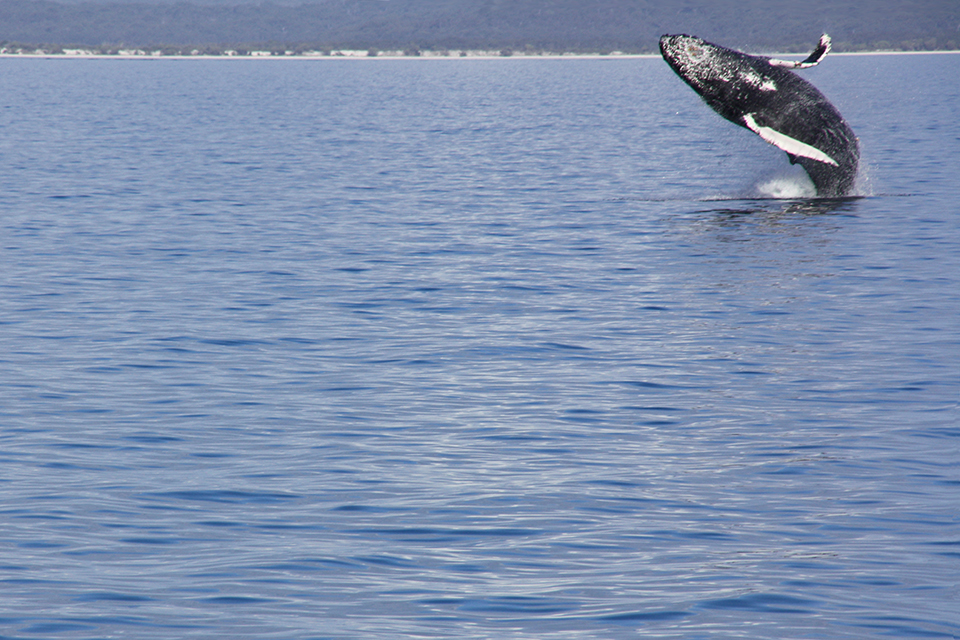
(543, 25)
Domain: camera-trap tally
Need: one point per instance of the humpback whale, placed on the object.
(766, 97)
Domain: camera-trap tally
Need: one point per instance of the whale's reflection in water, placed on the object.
(773, 207)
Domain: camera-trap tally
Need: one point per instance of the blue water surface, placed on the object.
(471, 349)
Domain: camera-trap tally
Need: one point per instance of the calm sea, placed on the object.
(378, 349)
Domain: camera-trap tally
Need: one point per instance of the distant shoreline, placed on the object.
(424, 55)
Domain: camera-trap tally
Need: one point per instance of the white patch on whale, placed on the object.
(786, 143)
(764, 84)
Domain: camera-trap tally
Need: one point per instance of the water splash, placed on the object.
(785, 185)
(789, 183)
(864, 184)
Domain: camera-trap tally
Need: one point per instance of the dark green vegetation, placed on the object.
(507, 25)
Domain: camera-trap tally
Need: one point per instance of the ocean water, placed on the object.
(472, 349)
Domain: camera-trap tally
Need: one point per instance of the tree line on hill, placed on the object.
(595, 26)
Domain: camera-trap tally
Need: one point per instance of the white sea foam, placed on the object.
(864, 183)
(788, 184)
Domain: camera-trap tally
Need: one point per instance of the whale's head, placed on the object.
(724, 78)
(701, 64)
(688, 55)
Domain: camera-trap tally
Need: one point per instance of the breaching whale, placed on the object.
(764, 96)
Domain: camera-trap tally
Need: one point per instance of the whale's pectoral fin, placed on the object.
(823, 48)
(794, 148)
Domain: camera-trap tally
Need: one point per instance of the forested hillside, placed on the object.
(551, 25)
